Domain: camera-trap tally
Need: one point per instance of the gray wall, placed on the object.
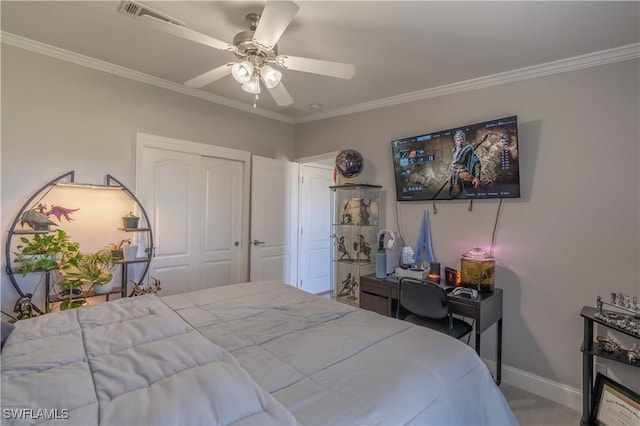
(58, 116)
(572, 236)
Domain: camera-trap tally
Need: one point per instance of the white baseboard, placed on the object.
(545, 388)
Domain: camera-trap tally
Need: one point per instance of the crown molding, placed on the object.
(618, 54)
(86, 61)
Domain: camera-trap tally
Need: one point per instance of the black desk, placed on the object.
(381, 296)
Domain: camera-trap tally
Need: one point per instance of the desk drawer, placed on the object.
(375, 303)
(466, 308)
(375, 287)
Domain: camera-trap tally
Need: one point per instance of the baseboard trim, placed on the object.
(540, 386)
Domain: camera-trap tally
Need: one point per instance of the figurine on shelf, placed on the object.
(362, 247)
(363, 213)
(342, 248)
(634, 353)
(347, 285)
(38, 217)
(607, 344)
(24, 307)
(138, 290)
(353, 289)
(599, 305)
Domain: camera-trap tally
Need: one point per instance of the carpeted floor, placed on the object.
(532, 410)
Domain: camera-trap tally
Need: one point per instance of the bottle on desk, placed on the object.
(381, 263)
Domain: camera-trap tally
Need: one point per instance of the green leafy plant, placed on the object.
(92, 269)
(46, 251)
(117, 249)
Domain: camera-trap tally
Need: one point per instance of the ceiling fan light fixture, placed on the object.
(242, 71)
(253, 85)
(270, 76)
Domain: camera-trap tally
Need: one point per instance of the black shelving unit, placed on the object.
(590, 350)
(69, 180)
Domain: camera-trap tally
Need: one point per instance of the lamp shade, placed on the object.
(270, 76)
(253, 85)
(242, 71)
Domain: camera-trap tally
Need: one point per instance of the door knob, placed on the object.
(256, 242)
(237, 243)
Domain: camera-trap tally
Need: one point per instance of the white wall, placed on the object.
(58, 117)
(572, 236)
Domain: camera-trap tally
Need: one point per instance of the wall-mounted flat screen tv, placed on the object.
(468, 162)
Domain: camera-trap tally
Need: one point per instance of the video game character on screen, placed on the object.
(465, 168)
(475, 161)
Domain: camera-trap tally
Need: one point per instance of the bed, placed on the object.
(252, 353)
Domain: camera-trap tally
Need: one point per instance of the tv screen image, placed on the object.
(468, 162)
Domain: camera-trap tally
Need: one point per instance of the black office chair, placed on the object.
(425, 303)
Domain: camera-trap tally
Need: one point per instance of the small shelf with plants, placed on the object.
(38, 244)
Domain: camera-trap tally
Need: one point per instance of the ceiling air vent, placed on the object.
(135, 9)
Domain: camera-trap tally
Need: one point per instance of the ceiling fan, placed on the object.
(256, 49)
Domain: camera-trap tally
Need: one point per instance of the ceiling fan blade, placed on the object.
(183, 32)
(316, 66)
(210, 76)
(280, 95)
(275, 18)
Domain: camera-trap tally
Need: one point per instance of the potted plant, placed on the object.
(117, 250)
(130, 221)
(94, 269)
(130, 252)
(104, 260)
(46, 251)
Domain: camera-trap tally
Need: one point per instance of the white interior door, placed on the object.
(196, 205)
(171, 197)
(314, 251)
(274, 205)
(222, 216)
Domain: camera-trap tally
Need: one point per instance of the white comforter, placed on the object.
(254, 353)
(331, 364)
(131, 361)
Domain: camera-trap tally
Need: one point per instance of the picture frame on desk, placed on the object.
(614, 404)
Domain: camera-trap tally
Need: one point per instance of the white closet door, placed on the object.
(171, 196)
(195, 206)
(314, 252)
(222, 215)
(274, 220)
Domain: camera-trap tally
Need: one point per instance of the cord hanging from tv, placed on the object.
(469, 162)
